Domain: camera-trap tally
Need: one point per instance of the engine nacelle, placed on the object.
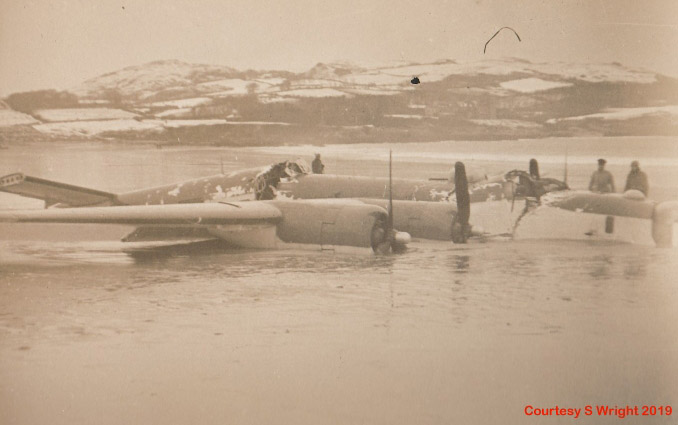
(330, 223)
(424, 220)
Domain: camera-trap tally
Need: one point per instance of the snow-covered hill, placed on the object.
(176, 79)
(144, 81)
(500, 98)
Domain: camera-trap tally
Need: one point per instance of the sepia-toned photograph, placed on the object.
(338, 212)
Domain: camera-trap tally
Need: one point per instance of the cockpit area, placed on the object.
(265, 183)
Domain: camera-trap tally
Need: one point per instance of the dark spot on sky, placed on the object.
(415, 80)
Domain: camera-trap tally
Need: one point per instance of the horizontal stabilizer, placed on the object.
(54, 192)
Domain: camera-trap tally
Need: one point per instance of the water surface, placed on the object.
(442, 334)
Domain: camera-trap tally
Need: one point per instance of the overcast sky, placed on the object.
(60, 43)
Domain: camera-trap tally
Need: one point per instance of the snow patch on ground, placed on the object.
(373, 92)
(507, 123)
(93, 102)
(230, 86)
(92, 128)
(172, 113)
(314, 93)
(405, 116)
(183, 103)
(256, 123)
(192, 123)
(623, 113)
(273, 81)
(9, 117)
(82, 114)
(531, 85)
(271, 99)
(316, 83)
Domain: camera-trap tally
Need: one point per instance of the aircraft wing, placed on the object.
(581, 215)
(613, 204)
(54, 192)
(207, 214)
(327, 225)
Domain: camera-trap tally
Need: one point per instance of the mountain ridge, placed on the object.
(342, 101)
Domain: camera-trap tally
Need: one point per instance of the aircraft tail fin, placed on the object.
(55, 192)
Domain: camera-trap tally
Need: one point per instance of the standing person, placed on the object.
(637, 179)
(602, 180)
(317, 165)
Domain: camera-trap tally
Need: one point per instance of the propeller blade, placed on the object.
(534, 169)
(565, 172)
(390, 191)
(391, 241)
(388, 237)
(460, 229)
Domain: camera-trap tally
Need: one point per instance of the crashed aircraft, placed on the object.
(518, 204)
(232, 208)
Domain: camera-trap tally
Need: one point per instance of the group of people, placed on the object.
(603, 182)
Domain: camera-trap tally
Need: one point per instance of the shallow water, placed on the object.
(441, 334)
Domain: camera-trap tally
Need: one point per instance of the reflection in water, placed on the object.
(507, 275)
(635, 268)
(524, 266)
(461, 263)
(600, 267)
(143, 256)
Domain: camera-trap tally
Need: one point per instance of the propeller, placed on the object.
(461, 228)
(392, 240)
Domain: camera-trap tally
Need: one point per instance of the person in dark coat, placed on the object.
(637, 179)
(602, 180)
(317, 165)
